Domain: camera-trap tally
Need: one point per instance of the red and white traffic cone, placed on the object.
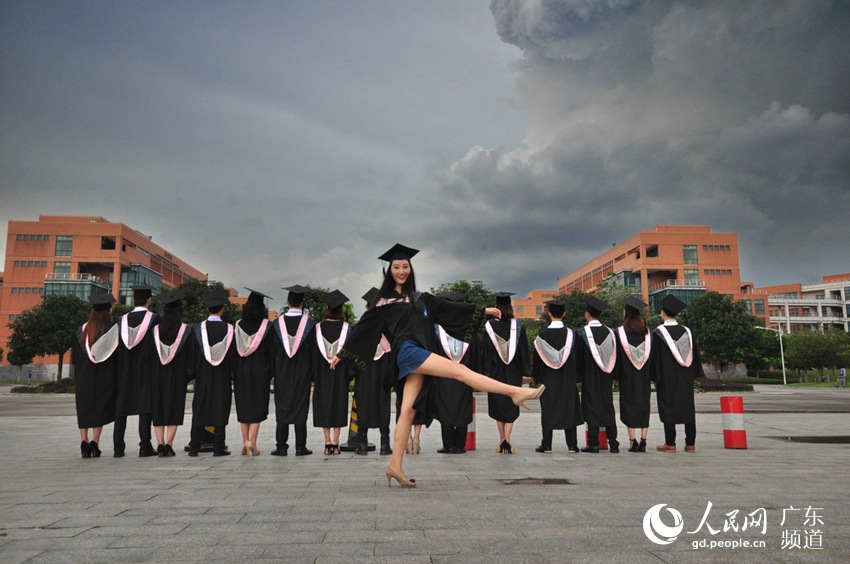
(470, 430)
(734, 433)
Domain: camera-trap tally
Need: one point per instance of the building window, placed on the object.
(748, 305)
(759, 307)
(62, 268)
(64, 245)
(519, 309)
(691, 277)
(538, 310)
(652, 252)
(19, 237)
(690, 254)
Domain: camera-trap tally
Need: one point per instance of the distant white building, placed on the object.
(811, 307)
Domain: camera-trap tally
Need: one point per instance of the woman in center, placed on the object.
(407, 317)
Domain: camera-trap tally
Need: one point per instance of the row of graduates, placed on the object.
(596, 356)
(142, 364)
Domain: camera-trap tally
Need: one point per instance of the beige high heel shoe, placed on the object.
(245, 448)
(398, 477)
(409, 448)
(253, 448)
(533, 393)
(416, 448)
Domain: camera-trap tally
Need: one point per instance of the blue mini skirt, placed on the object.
(410, 357)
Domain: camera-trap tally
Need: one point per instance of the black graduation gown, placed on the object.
(635, 389)
(674, 383)
(597, 386)
(372, 389)
(330, 388)
(501, 407)
(213, 392)
(95, 384)
(292, 374)
(253, 374)
(403, 321)
(451, 400)
(134, 374)
(560, 406)
(169, 381)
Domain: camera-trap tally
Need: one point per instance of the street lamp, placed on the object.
(781, 348)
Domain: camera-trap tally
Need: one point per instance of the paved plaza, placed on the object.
(476, 507)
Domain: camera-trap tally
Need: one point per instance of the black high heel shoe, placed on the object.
(633, 447)
(85, 452)
(642, 447)
(329, 449)
(94, 450)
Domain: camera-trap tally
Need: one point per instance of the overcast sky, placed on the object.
(273, 143)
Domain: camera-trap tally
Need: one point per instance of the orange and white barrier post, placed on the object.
(734, 433)
(470, 430)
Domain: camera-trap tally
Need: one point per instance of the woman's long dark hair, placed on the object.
(408, 290)
(169, 325)
(99, 323)
(633, 323)
(254, 312)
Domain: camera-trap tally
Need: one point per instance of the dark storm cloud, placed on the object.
(729, 114)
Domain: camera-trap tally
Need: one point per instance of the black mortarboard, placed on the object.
(101, 302)
(256, 297)
(594, 306)
(142, 292)
(453, 296)
(397, 252)
(635, 305)
(296, 292)
(672, 305)
(503, 298)
(215, 298)
(556, 308)
(369, 296)
(335, 299)
(171, 297)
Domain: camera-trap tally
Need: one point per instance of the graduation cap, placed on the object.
(215, 298)
(172, 297)
(142, 292)
(453, 296)
(594, 306)
(634, 305)
(256, 297)
(369, 296)
(296, 292)
(503, 298)
(672, 305)
(399, 252)
(101, 302)
(556, 308)
(335, 299)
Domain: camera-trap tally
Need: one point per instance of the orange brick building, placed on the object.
(811, 307)
(683, 260)
(80, 256)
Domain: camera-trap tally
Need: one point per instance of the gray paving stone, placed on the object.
(479, 507)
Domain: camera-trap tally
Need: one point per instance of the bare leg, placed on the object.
(160, 435)
(508, 428)
(84, 435)
(412, 386)
(643, 433)
(245, 427)
(171, 431)
(327, 433)
(436, 365)
(253, 432)
(631, 433)
(95, 434)
(500, 425)
(336, 435)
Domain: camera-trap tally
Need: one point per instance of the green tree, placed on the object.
(47, 329)
(724, 329)
(476, 292)
(805, 350)
(764, 351)
(194, 310)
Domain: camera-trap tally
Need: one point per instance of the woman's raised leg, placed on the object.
(436, 365)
